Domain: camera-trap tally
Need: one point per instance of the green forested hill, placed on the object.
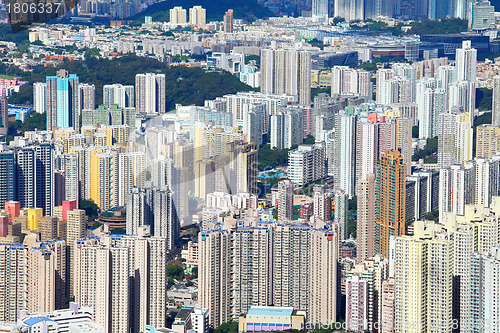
(184, 85)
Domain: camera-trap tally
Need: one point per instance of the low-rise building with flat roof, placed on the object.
(271, 319)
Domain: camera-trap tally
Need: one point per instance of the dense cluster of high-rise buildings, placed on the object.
(281, 264)
(408, 274)
(352, 10)
(376, 201)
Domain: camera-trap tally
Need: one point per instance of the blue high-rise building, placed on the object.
(6, 177)
(63, 100)
(441, 9)
(34, 176)
(4, 116)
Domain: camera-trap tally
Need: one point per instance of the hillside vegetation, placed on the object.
(426, 27)
(187, 86)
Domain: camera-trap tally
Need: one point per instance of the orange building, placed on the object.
(59, 57)
(390, 199)
(14, 209)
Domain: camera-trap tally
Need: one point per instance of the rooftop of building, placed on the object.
(159, 330)
(35, 320)
(184, 313)
(86, 326)
(270, 311)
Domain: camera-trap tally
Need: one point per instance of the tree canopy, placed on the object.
(426, 27)
(316, 91)
(186, 86)
(272, 158)
(9, 36)
(485, 118)
(432, 27)
(175, 271)
(34, 121)
(429, 153)
(414, 132)
(229, 327)
(433, 215)
(90, 209)
(484, 99)
(194, 272)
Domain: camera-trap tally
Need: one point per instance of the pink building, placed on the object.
(322, 203)
(373, 136)
(66, 206)
(10, 83)
(387, 309)
(365, 190)
(192, 259)
(14, 208)
(356, 304)
(8, 86)
(4, 226)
